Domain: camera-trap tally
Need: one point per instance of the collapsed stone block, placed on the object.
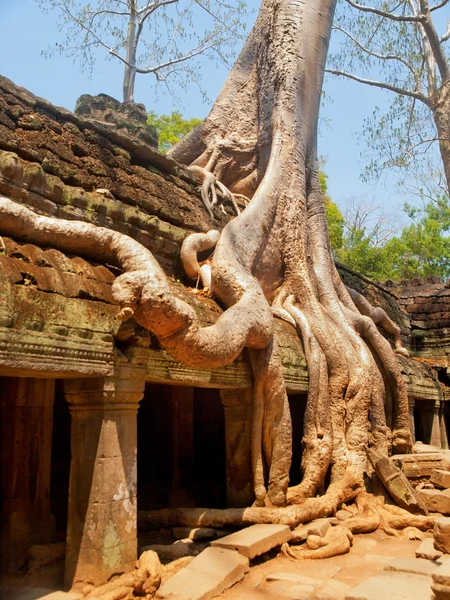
(207, 576)
(441, 534)
(436, 500)
(440, 478)
(427, 550)
(255, 540)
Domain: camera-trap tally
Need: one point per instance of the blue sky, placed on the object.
(26, 31)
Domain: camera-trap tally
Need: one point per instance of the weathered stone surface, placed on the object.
(343, 515)
(441, 591)
(317, 527)
(208, 575)
(199, 533)
(419, 566)
(332, 590)
(436, 500)
(392, 586)
(255, 540)
(427, 550)
(440, 478)
(398, 486)
(128, 117)
(420, 465)
(441, 534)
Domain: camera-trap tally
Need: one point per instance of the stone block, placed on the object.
(441, 534)
(213, 571)
(440, 478)
(317, 527)
(419, 566)
(343, 515)
(255, 540)
(392, 586)
(427, 550)
(332, 590)
(441, 581)
(199, 533)
(421, 465)
(436, 500)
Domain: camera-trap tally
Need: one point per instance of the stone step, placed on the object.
(255, 540)
(392, 586)
(212, 572)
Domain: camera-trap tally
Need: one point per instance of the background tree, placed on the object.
(399, 46)
(421, 248)
(160, 37)
(171, 128)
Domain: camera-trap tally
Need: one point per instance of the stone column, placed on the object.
(101, 529)
(238, 411)
(26, 416)
(412, 427)
(182, 404)
(429, 417)
(442, 428)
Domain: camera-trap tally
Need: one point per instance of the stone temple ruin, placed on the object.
(97, 421)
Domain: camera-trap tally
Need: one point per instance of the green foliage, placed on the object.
(171, 128)
(421, 249)
(335, 218)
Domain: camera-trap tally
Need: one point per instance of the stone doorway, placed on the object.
(181, 448)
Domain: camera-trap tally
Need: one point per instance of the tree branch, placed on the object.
(386, 15)
(446, 35)
(438, 6)
(434, 41)
(174, 61)
(372, 52)
(382, 85)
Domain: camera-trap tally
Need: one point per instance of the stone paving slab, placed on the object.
(255, 540)
(419, 566)
(213, 571)
(392, 586)
(427, 550)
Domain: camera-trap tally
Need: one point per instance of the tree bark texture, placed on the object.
(260, 140)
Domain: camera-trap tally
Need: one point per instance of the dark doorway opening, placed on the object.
(60, 466)
(297, 406)
(181, 448)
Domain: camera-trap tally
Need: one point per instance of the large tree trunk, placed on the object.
(260, 140)
(441, 115)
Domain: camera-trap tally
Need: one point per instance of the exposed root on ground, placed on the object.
(338, 540)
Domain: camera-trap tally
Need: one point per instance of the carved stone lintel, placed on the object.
(101, 530)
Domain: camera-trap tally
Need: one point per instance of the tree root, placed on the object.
(338, 540)
(312, 508)
(208, 191)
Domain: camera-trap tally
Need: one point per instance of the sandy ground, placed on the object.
(366, 558)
